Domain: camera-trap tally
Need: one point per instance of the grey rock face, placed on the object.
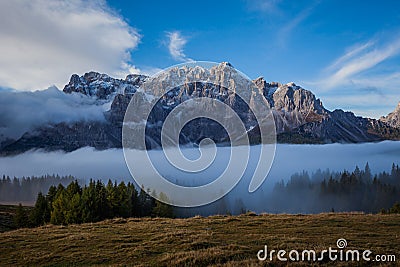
(299, 116)
(103, 86)
(66, 137)
(222, 83)
(293, 106)
(393, 118)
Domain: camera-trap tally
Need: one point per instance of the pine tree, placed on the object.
(41, 213)
(132, 192)
(112, 198)
(161, 209)
(21, 218)
(142, 202)
(73, 212)
(367, 173)
(102, 204)
(124, 201)
(88, 203)
(59, 208)
(357, 172)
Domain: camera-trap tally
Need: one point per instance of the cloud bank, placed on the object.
(176, 44)
(359, 59)
(358, 80)
(289, 159)
(88, 163)
(22, 111)
(43, 42)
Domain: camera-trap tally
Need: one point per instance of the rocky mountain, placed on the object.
(393, 118)
(299, 116)
(103, 86)
(292, 105)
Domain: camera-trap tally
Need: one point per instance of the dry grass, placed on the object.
(197, 241)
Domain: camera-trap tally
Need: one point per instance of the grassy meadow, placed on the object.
(198, 241)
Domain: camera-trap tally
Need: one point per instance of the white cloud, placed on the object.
(351, 52)
(345, 69)
(144, 70)
(44, 42)
(176, 44)
(362, 79)
(23, 111)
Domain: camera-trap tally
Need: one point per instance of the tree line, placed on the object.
(321, 191)
(26, 189)
(326, 191)
(93, 202)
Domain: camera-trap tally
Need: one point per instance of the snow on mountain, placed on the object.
(103, 86)
(393, 118)
(299, 116)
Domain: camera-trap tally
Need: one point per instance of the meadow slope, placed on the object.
(197, 241)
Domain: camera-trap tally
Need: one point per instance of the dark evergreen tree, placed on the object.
(21, 217)
(135, 208)
(41, 212)
(124, 201)
(367, 173)
(103, 207)
(145, 203)
(88, 203)
(161, 209)
(59, 206)
(112, 198)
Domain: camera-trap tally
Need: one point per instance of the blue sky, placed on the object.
(346, 52)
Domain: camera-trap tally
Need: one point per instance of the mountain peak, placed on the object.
(299, 116)
(226, 64)
(101, 85)
(260, 82)
(393, 118)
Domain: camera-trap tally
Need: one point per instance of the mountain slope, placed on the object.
(393, 118)
(299, 116)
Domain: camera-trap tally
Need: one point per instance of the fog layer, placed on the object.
(289, 159)
(88, 163)
(22, 111)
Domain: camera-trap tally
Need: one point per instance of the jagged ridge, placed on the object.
(299, 116)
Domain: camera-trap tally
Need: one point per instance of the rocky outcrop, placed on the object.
(103, 86)
(393, 118)
(292, 105)
(299, 116)
(67, 137)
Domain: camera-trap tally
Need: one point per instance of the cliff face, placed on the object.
(299, 116)
(393, 118)
(103, 86)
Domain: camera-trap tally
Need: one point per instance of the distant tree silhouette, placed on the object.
(21, 217)
(346, 191)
